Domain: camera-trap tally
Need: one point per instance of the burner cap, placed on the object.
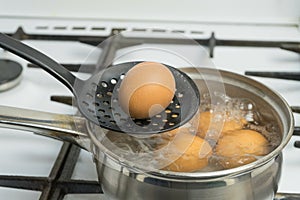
(10, 74)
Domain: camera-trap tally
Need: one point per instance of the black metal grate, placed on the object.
(210, 42)
(59, 183)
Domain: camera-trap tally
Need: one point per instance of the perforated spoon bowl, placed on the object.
(97, 99)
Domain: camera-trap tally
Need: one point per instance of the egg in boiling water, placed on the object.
(240, 147)
(187, 152)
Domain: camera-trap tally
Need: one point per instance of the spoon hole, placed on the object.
(113, 81)
(104, 84)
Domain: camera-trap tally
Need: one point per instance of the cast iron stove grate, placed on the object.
(59, 183)
(210, 42)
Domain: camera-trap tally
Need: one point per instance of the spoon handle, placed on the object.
(40, 59)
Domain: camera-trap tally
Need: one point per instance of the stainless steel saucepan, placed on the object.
(123, 180)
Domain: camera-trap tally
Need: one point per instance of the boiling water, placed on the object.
(150, 154)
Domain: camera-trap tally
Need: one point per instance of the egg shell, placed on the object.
(187, 152)
(240, 147)
(203, 122)
(146, 90)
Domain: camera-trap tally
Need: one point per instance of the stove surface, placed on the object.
(23, 153)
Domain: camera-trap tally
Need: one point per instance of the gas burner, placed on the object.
(10, 75)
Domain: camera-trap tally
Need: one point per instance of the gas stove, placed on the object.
(35, 167)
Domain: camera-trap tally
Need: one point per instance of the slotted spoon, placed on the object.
(97, 99)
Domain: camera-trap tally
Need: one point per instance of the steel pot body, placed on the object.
(259, 183)
(123, 180)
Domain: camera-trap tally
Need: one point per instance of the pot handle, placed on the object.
(59, 126)
(287, 196)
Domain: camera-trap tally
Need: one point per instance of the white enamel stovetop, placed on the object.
(23, 153)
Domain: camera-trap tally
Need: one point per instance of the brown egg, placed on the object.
(146, 90)
(240, 147)
(187, 152)
(203, 122)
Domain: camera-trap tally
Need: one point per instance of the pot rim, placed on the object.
(214, 174)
